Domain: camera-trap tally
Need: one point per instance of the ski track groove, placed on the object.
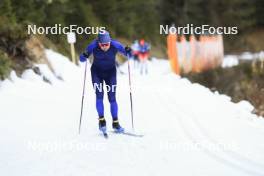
(206, 134)
(208, 152)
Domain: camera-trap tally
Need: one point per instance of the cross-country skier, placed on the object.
(143, 55)
(135, 51)
(103, 70)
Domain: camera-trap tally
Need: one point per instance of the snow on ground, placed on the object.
(230, 61)
(233, 60)
(188, 130)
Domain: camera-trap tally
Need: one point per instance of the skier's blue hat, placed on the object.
(104, 37)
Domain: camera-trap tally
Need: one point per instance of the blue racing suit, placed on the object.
(103, 70)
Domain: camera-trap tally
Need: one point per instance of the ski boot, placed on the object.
(102, 124)
(117, 128)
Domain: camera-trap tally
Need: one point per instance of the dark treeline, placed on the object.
(129, 19)
(242, 13)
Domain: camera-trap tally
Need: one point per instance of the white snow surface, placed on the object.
(230, 61)
(233, 60)
(188, 130)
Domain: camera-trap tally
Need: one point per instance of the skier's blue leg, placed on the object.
(114, 109)
(99, 91)
(110, 81)
(100, 107)
(111, 93)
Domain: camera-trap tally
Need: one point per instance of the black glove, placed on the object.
(84, 56)
(128, 49)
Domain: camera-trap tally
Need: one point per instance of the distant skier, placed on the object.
(135, 51)
(143, 55)
(103, 70)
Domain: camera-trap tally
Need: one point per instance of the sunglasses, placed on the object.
(104, 44)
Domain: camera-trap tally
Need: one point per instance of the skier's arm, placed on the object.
(126, 51)
(88, 51)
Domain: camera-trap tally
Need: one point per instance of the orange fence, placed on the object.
(172, 53)
(194, 55)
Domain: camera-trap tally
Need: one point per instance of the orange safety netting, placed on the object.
(195, 55)
(172, 53)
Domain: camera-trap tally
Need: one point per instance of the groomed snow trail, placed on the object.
(188, 130)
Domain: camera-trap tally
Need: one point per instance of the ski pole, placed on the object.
(80, 122)
(131, 100)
